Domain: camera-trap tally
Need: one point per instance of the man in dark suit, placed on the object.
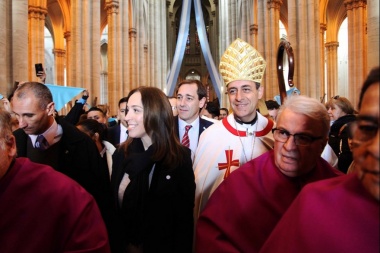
(58, 143)
(118, 133)
(191, 97)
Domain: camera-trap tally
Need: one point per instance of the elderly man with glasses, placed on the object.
(340, 214)
(245, 208)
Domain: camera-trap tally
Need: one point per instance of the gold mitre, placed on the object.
(241, 62)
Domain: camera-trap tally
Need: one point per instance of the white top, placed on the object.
(210, 163)
(123, 133)
(193, 133)
(110, 149)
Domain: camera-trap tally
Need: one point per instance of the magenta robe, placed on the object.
(336, 215)
(245, 208)
(42, 210)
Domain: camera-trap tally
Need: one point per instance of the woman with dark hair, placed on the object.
(97, 131)
(341, 112)
(156, 206)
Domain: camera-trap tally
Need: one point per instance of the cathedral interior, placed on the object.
(112, 46)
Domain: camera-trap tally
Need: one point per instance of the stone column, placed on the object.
(170, 33)
(224, 36)
(373, 33)
(157, 44)
(214, 45)
(76, 61)
(272, 39)
(36, 16)
(122, 45)
(261, 28)
(14, 60)
(146, 66)
(253, 32)
(304, 36)
(357, 47)
(142, 42)
(244, 20)
(332, 68)
(15, 23)
(4, 48)
(133, 58)
(213, 39)
(92, 53)
(124, 62)
(104, 91)
(323, 91)
(67, 36)
(112, 8)
(59, 60)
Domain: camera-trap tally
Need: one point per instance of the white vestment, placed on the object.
(224, 147)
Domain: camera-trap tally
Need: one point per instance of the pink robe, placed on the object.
(42, 210)
(245, 208)
(336, 215)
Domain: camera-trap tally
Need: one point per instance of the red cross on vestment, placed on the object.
(228, 164)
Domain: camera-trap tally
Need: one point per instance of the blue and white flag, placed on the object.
(63, 94)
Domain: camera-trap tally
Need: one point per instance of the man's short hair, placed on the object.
(213, 109)
(201, 89)
(96, 109)
(39, 90)
(123, 100)
(271, 104)
(310, 107)
(224, 109)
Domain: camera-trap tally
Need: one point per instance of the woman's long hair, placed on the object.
(159, 125)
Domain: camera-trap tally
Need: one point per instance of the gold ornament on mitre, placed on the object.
(241, 62)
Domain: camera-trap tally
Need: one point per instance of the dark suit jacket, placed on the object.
(79, 159)
(159, 216)
(113, 135)
(203, 124)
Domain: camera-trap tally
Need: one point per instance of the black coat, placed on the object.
(159, 216)
(77, 157)
(338, 140)
(113, 135)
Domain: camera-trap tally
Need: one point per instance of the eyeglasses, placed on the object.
(283, 136)
(335, 97)
(364, 128)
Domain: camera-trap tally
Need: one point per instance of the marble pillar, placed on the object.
(357, 47)
(332, 68)
(4, 76)
(323, 90)
(133, 58)
(373, 33)
(157, 44)
(36, 46)
(59, 61)
(304, 36)
(112, 8)
(272, 40)
(67, 36)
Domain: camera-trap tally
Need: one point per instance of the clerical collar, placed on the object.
(247, 123)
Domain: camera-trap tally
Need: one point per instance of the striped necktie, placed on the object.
(41, 143)
(185, 138)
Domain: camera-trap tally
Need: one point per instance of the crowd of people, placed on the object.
(180, 174)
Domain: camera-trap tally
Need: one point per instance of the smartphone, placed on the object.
(39, 68)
